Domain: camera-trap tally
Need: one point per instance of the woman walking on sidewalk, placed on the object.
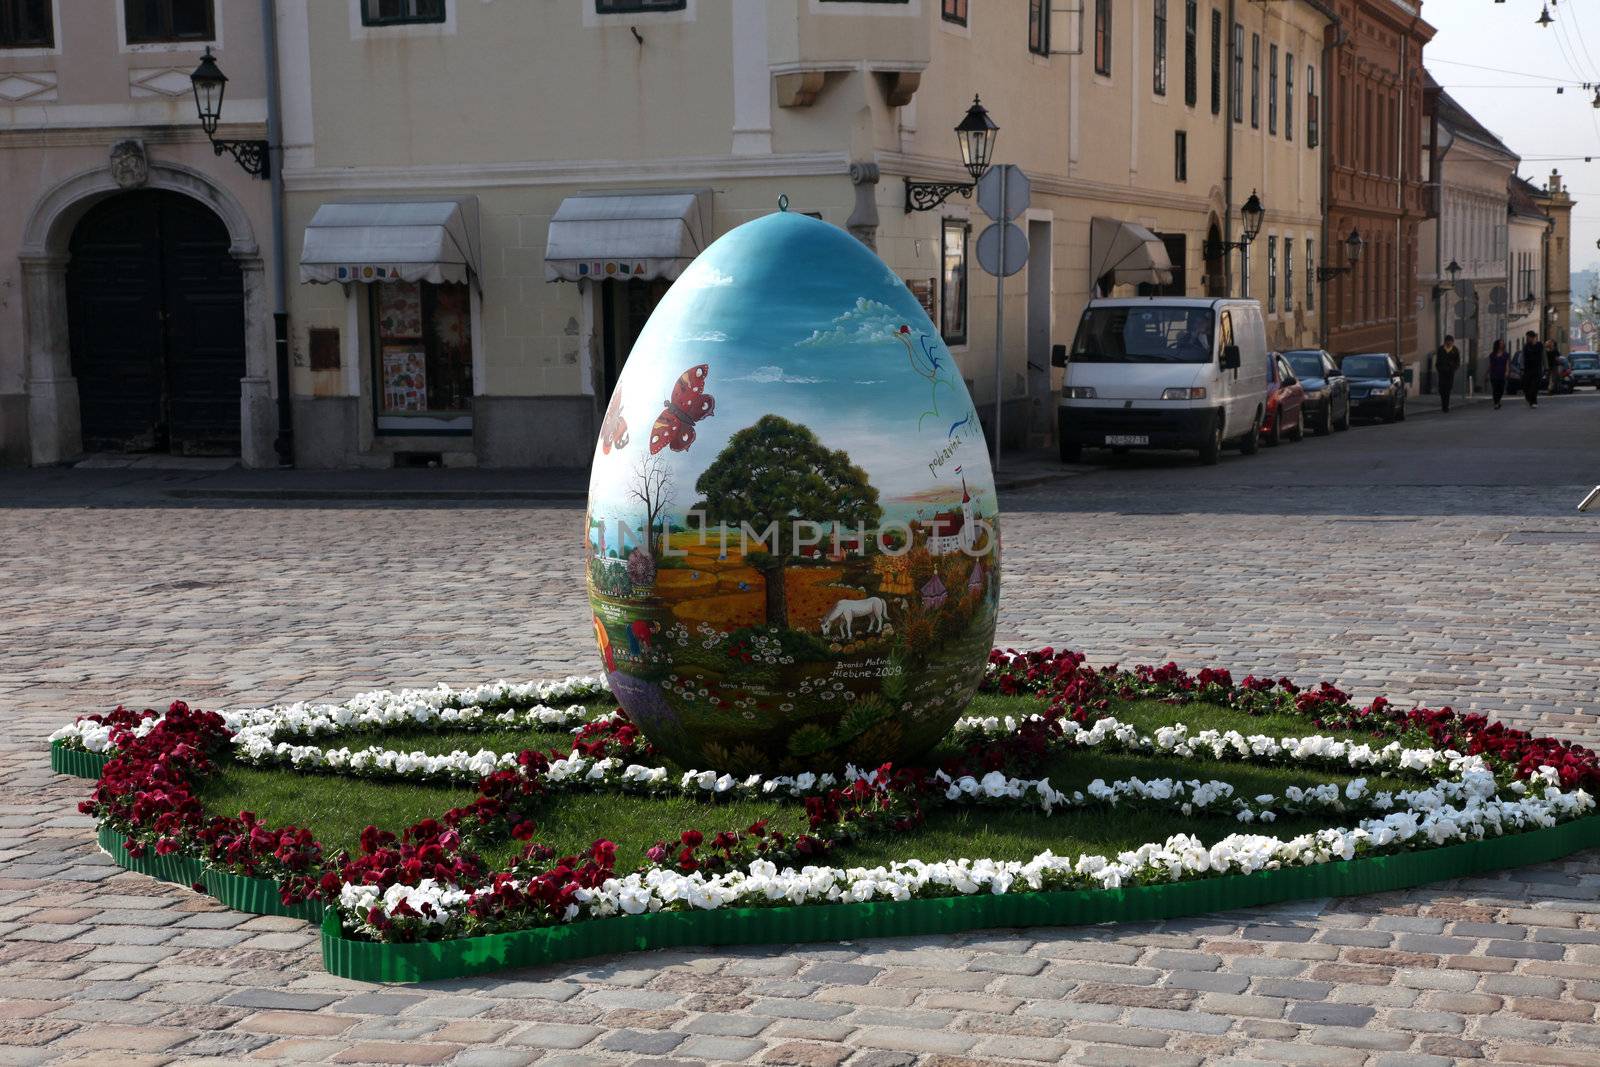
(1532, 369)
(1499, 364)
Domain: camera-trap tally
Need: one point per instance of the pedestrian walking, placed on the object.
(1532, 368)
(1499, 365)
(1446, 362)
(1552, 364)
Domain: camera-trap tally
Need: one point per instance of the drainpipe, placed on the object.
(1227, 155)
(1440, 318)
(284, 445)
(1325, 101)
(1400, 185)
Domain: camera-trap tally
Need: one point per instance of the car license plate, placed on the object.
(1120, 439)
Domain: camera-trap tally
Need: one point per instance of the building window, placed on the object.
(955, 11)
(422, 352)
(1272, 275)
(1191, 51)
(1158, 65)
(1272, 90)
(1216, 62)
(1102, 37)
(1039, 27)
(400, 12)
(1238, 72)
(953, 283)
(1288, 96)
(160, 21)
(26, 24)
(1288, 275)
(1255, 81)
(1313, 110)
(629, 7)
(1180, 155)
(1311, 274)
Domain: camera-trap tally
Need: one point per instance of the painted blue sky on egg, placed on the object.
(795, 317)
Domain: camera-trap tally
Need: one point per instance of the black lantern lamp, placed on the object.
(1252, 214)
(1353, 247)
(1441, 287)
(210, 85)
(975, 133)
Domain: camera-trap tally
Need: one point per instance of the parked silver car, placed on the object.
(1585, 369)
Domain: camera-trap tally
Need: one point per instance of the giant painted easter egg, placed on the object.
(792, 533)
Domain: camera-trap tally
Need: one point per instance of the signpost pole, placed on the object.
(1000, 323)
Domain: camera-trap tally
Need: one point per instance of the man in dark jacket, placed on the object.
(1446, 362)
(1532, 368)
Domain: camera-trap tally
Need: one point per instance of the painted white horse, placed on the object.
(846, 613)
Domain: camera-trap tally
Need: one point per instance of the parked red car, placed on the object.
(1286, 403)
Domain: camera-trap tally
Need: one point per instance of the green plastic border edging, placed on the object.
(257, 896)
(177, 868)
(76, 761)
(370, 961)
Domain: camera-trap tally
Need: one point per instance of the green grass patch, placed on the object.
(338, 808)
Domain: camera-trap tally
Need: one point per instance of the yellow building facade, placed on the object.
(487, 198)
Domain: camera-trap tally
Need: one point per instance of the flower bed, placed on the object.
(424, 903)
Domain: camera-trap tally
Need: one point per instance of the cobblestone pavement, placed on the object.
(1439, 560)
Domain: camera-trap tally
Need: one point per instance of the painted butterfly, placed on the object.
(689, 404)
(614, 429)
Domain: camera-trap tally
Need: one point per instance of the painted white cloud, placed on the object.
(868, 322)
(704, 335)
(701, 275)
(770, 374)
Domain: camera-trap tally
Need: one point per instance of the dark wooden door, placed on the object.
(156, 322)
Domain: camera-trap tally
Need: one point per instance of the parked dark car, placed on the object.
(1327, 389)
(1377, 386)
(1585, 369)
(1286, 403)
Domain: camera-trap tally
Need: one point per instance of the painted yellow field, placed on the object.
(812, 593)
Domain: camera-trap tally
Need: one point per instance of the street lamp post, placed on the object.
(210, 85)
(975, 133)
(1252, 215)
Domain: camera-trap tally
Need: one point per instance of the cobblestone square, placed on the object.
(1438, 561)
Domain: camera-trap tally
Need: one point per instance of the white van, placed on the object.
(1164, 372)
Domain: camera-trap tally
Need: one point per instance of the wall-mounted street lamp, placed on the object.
(1353, 247)
(1442, 287)
(210, 84)
(1251, 215)
(976, 134)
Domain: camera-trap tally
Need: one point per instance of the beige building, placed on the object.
(614, 140)
(484, 199)
(135, 306)
(1557, 202)
(1470, 171)
(1527, 228)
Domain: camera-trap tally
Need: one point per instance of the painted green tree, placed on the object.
(777, 472)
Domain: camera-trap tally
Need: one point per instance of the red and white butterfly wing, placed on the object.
(614, 430)
(689, 395)
(671, 430)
